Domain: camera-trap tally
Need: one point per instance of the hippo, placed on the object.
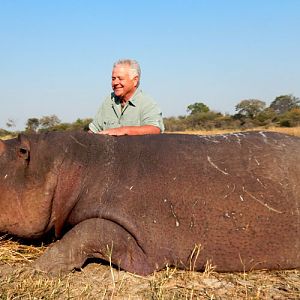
(143, 203)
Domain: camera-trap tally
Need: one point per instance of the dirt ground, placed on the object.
(96, 281)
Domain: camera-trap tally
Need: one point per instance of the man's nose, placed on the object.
(116, 81)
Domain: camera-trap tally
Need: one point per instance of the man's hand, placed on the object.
(114, 131)
(131, 130)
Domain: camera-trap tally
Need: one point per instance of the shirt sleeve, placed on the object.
(96, 125)
(152, 115)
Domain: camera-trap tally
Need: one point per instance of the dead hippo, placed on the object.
(144, 202)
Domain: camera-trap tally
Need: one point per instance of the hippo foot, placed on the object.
(97, 238)
(54, 262)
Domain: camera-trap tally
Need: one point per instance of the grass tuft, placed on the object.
(13, 252)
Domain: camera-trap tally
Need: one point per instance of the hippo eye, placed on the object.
(24, 153)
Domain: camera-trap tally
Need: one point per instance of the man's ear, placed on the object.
(136, 80)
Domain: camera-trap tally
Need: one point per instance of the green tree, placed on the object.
(48, 122)
(291, 118)
(284, 103)
(175, 123)
(197, 107)
(81, 124)
(250, 108)
(267, 116)
(32, 124)
(202, 120)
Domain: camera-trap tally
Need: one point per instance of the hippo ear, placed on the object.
(23, 149)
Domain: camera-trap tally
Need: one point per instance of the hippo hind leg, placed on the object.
(94, 238)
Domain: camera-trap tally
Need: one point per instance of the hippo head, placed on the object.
(28, 179)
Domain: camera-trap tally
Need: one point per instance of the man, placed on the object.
(128, 110)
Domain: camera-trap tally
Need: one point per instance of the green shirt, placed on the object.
(138, 111)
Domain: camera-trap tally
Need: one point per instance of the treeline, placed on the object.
(284, 111)
(46, 123)
(53, 123)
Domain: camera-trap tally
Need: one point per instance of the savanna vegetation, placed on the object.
(283, 112)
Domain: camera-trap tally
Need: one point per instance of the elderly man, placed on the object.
(128, 110)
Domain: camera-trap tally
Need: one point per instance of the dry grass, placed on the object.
(291, 130)
(95, 281)
(13, 252)
(7, 137)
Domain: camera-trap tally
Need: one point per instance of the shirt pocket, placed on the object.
(110, 124)
(130, 122)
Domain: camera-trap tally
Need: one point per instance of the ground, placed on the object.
(97, 281)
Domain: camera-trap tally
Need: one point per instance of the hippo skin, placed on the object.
(144, 202)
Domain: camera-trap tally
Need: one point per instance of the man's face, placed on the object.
(122, 85)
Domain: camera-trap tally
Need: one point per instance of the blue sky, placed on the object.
(56, 56)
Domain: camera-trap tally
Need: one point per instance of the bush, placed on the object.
(4, 132)
(290, 118)
(175, 124)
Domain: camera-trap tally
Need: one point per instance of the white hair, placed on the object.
(134, 70)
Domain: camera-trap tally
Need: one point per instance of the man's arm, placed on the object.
(132, 130)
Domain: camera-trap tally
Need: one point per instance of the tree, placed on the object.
(290, 118)
(32, 124)
(250, 107)
(197, 107)
(10, 123)
(48, 122)
(81, 124)
(284, 103)
(266, 116)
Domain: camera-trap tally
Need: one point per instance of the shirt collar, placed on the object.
(130, 101)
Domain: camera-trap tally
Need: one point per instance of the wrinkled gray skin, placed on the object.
(147, 201)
